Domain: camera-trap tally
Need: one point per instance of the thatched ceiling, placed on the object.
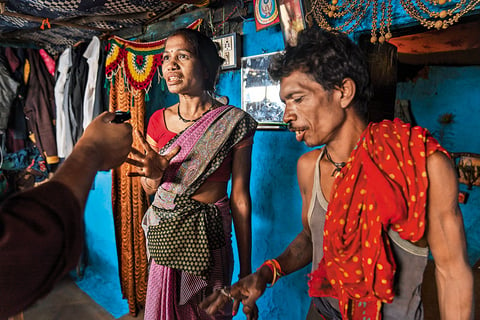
(53, 24)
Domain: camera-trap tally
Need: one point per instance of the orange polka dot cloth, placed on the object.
(384, 185)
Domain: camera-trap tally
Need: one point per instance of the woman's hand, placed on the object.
(247, 291)
(150, 163)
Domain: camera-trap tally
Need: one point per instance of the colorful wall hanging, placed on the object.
(140, 61)
(266, 13)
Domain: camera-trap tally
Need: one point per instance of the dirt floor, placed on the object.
(67, 301)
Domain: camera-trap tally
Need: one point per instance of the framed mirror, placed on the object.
(260, 94)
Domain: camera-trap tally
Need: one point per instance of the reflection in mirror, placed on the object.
(260, 94)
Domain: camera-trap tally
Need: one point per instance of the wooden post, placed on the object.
(383, 60)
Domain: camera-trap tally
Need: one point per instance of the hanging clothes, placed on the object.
(8, 91)
(22, 165)
(17, 133)
(91, 54)
(62, 101)
(101, 93)
(129, 202)
(40, 107)
(78, 81)
(48, 60)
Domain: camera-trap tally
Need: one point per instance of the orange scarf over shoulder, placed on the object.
(384, 185)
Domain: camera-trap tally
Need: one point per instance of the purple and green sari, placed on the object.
(189, 242)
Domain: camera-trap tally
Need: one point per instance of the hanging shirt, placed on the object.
(63, 129)
(77, 84)
(8, 90)
(40, 106)
(49, 62)
(91, 54)
(102, 95)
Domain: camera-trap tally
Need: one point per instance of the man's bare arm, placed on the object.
(298, 253)
(446, 238)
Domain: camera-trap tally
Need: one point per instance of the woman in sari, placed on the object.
(191, 150)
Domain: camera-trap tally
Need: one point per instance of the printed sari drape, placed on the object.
(185, 230)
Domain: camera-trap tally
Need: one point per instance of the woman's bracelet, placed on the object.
(276, 269)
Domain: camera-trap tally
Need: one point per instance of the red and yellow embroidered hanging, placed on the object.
(139, 60)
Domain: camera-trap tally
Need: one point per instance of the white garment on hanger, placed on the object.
(92, 54)
(63, 128)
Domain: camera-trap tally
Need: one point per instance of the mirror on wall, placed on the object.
(260, 94)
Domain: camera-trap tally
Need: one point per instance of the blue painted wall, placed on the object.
(101, 279)
(276, 199)
(276, 214)
(452, 90)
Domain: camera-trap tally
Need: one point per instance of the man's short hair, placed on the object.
(329, 57)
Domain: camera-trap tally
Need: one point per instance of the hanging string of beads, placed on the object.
(388, 35)
(373, 32)
(335, 10)
(385, 22)
(381, 39)
(346, 15)
(439, 19)
(352, 12)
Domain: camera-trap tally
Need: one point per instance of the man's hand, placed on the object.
(107, 143)
(247, 291)
(150, 163)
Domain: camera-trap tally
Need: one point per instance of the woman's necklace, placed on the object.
(338, 165)
(194, 120)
